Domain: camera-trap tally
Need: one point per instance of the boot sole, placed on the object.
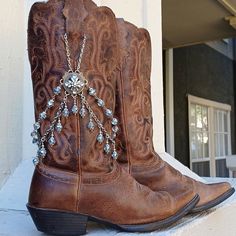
(214, 202)
(55, 222)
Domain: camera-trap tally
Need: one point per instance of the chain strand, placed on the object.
(68, 54)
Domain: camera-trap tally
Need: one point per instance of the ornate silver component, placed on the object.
(73, 82)
(72, 85)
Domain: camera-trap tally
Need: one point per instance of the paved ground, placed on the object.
(15, 220)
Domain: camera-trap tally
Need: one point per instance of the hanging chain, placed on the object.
(68, 54)
(74, 83)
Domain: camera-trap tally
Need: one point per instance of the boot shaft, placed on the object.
(134, 107)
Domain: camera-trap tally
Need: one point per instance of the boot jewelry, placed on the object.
(72, 85)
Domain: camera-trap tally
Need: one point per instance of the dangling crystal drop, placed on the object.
(50, 103)
(92, 91)
(35, 140)
(100, 137)
(91, 125)
(115, 129)
(65, 112)
(75, 109)
(107, 148)
(108, 112)
(36, 161)
(42, 152)
(114, 154)
(34, 134)
(43, 115)
(52, 140)
(82, 111)
(100, 102)
(114, 121)
(36, 126)
(57, 90)
(58, 126)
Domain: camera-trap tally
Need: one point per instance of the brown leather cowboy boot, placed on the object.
(74, 55)
(135, 115)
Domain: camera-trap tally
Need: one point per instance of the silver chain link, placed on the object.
(68, 54)
(100, 126)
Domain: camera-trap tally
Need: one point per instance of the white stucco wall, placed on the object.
(11, 86)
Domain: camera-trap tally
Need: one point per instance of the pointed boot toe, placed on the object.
(211, 195)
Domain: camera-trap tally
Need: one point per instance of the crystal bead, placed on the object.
(43, 115)
(57, 90)
(92, 91)
(42, 152)
(114, 121)
(52, 141)
(36, 126)
(35, 140)
(50, 103)
(114, 154)
(36, 161)
(91, 125)
(108, 112)
(34, 134)
(113, 135)
(65, 112)
(100, 138)
(100, 103)
(115, 129)
(107, 148)
(59, 127)
(82, 112)
(75, 109)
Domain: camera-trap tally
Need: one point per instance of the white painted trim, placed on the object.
(169, 94)
(210, 103)
(211, 142)
(229, 6)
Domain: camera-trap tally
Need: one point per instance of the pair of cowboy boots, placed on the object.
(75, 180)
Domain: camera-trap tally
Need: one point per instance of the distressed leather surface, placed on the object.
(134, 109)
(76, 175)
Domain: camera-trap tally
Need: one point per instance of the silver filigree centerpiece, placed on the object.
(74, 83)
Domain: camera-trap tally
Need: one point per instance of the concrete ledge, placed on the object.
(15, 220)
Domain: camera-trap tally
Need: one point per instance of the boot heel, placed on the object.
(58, 223)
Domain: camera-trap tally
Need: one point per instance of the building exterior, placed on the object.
(204, 106)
